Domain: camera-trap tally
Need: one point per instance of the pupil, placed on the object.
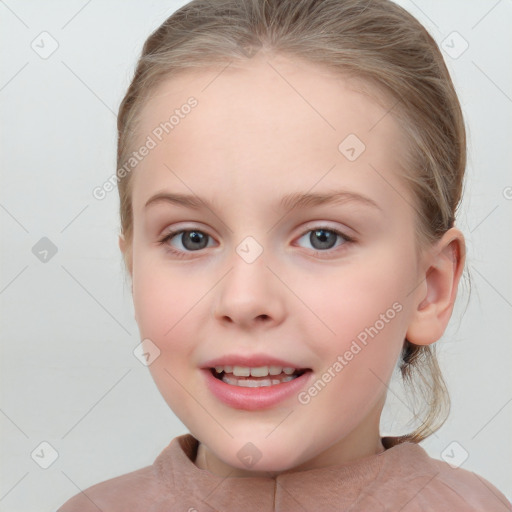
(194, 237)
(327, 239)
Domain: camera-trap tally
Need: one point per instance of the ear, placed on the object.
(126, 249)
(436, 295)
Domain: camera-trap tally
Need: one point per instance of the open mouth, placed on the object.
(263, 376)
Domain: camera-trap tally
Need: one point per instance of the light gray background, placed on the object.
(69, 376)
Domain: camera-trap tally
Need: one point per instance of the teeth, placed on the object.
(274, 370)
(241, 371)
(253, 383)
(249, 383)
(260, 371)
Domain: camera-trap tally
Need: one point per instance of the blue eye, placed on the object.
(323, 239)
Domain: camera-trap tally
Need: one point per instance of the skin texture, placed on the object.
(252, 139)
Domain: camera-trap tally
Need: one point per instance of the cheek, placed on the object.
(357, 361)
(365, 309)
(164, 301)
(351, 300)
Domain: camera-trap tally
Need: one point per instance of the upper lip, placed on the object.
(251, 361)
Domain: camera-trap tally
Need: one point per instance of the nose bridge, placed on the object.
(248, 292)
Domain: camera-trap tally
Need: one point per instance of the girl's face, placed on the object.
(328, 286)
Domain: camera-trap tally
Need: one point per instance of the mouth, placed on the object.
(256, 377)
(255, 387)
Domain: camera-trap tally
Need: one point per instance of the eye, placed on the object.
(187, 240)
(181, 242)
(323, 239)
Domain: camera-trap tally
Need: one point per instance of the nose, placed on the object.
(250, 295)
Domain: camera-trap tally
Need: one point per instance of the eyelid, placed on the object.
(344, 231)
(175, 229)
(170, 233)
(312, 225)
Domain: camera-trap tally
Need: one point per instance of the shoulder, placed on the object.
(132, 491)
(472, 490)
(140, 490)
(428, 484)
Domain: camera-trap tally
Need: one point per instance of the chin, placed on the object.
(252, 449)
(262, 457)
(263, 466)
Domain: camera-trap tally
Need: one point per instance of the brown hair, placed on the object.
(376, 41)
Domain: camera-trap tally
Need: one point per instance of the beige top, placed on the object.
(402, 478)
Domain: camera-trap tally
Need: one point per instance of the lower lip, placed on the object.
(252, 399)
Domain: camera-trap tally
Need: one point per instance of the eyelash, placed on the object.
(184, 254)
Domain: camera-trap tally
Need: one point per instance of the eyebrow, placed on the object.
(288, 202)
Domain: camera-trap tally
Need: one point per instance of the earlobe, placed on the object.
(437, 294)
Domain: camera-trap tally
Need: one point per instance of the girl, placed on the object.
(289, 172)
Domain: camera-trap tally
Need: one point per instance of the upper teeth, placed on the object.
(260, 371)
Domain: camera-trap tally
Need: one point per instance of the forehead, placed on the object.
(276, 121)
(238, 93)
